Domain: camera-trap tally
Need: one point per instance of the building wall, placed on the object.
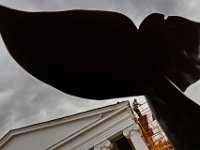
(103, 131)
(41, 139)
(88, 131)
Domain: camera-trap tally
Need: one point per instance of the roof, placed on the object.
(54, 122)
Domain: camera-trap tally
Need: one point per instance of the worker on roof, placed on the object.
(135, 107)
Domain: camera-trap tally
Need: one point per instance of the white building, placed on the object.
(111, 127)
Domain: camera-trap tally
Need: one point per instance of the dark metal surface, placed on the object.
(101, 55)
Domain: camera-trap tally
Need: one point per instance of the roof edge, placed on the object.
(61, 120)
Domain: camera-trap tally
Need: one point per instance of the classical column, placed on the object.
(133, 133)
(130, 131)
(105, 145)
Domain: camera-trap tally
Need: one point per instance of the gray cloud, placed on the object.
(25, 100)
(135, 9)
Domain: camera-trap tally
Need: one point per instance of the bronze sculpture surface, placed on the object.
(101, 55)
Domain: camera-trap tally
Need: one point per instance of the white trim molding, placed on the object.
(131, 130)
(105, 145)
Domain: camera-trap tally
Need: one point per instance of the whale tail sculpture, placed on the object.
(101, 55)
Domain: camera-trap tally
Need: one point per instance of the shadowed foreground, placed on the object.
(101, 55)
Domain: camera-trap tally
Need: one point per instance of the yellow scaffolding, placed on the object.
(152, 133)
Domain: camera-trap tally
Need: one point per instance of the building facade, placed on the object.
(108, 128)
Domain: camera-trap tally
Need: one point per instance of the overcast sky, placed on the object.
(24, 100)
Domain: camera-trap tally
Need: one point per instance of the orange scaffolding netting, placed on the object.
(153, 134)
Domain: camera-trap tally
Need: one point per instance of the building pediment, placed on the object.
(79, 131)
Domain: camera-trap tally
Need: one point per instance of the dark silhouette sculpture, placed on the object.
(101, 55)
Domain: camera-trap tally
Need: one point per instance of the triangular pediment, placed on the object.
(60, 129)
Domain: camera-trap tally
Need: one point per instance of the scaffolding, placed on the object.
(153, 135)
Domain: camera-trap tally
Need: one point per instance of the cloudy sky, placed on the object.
(24, 100)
